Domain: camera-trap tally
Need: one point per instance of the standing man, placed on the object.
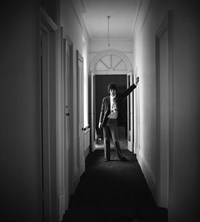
(111, 109)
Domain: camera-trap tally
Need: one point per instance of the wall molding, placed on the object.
(86, 142)
(47, 21)
(143, 12)
(148, 174)
(78, 17)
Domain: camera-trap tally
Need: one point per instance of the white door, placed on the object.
(130, 109)
(60, 123)
(67, 151)
(80, 113)
(63, 59)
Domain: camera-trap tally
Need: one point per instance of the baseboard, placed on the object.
(86, 142)
(148, 174)
(61, 201)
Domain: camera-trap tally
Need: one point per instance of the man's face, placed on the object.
(112, 92)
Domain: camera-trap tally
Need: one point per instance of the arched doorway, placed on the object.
(106, 65)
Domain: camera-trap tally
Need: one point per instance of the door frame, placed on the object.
(93, 72)
(164, 130)
(130, 119)
(93, 111)
(48, 117)
(63, 141)
(136, 116)
(80, 113)
(68, 47)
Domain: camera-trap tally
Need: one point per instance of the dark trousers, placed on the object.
(111, 128)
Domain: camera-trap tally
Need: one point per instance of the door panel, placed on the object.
(67, 141)
(80, 113)
(63, 159)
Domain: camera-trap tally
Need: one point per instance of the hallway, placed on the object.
(113, 191)
(54, 56)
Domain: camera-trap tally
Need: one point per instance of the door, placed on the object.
(63, 154)
(109, 63)
(163, 116)
(80, 114)
(130, 109)
(48, 122)
(67, 46)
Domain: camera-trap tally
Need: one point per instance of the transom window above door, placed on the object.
(111, 63)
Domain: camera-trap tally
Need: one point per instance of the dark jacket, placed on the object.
(105, 106)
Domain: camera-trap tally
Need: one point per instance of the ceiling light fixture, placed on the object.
(108, 30)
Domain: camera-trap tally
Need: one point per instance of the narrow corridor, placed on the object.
(113, 191)
(57, 58)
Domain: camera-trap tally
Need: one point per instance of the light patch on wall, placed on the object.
(85, 82)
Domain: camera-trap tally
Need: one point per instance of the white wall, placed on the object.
(70, 20)
(184, 164)
(20, 159)
(149, 20)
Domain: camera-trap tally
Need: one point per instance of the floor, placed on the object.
(114, 191)
(123, 143)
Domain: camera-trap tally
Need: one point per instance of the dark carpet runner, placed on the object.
(113, 191)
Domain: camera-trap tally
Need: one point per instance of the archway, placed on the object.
(113, 63)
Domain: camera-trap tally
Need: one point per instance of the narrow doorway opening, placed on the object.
(101, 84)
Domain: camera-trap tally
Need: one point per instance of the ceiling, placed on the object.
(123, 14)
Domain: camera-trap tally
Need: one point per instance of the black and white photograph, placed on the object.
(99, 111)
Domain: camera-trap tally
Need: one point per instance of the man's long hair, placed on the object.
(112, 85)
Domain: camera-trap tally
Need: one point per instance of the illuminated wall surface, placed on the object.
(85, 84)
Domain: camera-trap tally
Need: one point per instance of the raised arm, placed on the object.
(131, 88)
